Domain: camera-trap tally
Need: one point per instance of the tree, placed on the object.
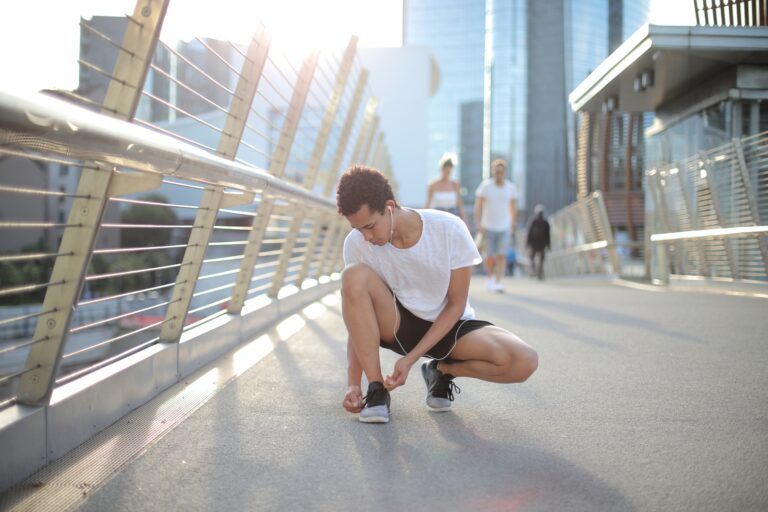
(151, 215)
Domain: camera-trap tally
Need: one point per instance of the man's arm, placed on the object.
(479, 203)
(353, 399)
(459, 202)
(513, 213)
(458, 291)
(354, 370)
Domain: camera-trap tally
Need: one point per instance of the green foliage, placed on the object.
(144, 237)
(151, 215)
(13, 274)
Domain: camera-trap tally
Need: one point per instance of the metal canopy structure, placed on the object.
(659, 63)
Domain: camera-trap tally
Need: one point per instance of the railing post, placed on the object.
(659, 271)
(315, 160)
(750, 197)
(336, 252)
(346, 130)
(276, 168)
(693, 222)
(214, 197)
(317, 226)
(360, 151)
(719, 215)
(96, 184)
(607, 234)
(377, 160)
(250, 75)
(332, 240)
(369, 143)
(361, 148)
(581, 217)
(334, 228)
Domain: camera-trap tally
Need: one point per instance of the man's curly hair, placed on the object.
(362, 185)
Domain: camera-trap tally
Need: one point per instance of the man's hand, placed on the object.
(353, 399)
(399, 373)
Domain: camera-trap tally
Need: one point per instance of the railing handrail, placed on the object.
(76, 132)
(741, 231)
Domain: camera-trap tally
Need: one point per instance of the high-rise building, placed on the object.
(521, 58)
(454, 31)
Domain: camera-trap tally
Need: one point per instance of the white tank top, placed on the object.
(443, 199)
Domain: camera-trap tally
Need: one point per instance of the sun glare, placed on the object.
(41, 51)
(672, 12)
(295, 25)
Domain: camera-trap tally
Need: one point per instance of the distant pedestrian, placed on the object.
(444, 193)
(496, 216)
(538, 240)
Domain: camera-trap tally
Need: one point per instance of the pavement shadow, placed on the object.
(515, 475)
(530, 317)
(603, 315)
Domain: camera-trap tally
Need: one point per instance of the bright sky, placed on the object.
(39, 39)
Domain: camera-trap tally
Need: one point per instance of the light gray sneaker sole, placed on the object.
(378, 414)
(439, 408)
(373, 419)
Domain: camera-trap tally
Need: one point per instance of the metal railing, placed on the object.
(203, 184)
(582, 241)
(708, 215)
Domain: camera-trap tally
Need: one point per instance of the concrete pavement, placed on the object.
(643, 401)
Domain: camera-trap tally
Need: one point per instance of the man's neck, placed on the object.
(408, 229)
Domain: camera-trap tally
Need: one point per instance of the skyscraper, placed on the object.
(537, 52)
(454, 31)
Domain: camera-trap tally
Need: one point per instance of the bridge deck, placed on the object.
(643, 401)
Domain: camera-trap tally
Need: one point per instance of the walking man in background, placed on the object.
(496, 216)
(538, 240)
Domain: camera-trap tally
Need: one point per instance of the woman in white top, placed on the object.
(444, 193)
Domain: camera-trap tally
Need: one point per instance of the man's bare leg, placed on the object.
(500, 263)
(489, 265)
(492, 354)
(369, 314)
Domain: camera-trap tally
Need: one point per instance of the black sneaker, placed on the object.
(375, 404)
(440, 387)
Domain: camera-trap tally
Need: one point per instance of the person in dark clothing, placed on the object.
(538, 240)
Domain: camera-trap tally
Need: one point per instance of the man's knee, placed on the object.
(354, 279)
(526, 363)
(519, 361)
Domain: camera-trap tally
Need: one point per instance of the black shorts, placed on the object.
(413, 328)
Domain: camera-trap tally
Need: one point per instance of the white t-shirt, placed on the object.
(496, 216)
(419, 275)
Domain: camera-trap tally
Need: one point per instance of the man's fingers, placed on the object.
(351, 405)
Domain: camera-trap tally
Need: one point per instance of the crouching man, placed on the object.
(405, 287)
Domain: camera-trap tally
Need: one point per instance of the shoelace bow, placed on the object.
(445, 387)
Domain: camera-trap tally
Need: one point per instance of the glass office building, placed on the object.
(509, 88)
(539, 52)
(454, 31)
